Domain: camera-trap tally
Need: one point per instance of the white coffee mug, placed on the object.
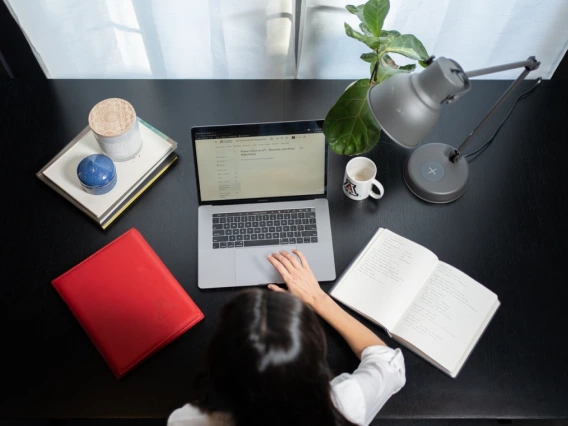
(359, 179)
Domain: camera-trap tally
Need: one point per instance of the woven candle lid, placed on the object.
(112, 117)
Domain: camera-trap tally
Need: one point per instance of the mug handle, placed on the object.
(379, 187)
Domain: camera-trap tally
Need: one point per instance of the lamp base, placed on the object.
(431, 176)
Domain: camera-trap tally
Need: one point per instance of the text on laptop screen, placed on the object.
(242, 166)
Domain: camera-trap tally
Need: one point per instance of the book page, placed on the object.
(446, 315)
(385, 279)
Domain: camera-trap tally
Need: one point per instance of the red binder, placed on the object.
(127, 301)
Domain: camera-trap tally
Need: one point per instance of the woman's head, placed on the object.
(266, 363)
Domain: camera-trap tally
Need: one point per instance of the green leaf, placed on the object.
(356, 10)
(392, 33)
(372, 42)
(409, 46)
(370, 57)
(387, 61)
(349, 126)
(374, 14)
(365, 29)
(386, 38)
(388, 68)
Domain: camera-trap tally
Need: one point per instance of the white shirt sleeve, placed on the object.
(188, 415)
(359, 396)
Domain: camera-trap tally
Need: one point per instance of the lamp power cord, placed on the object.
(492, 138)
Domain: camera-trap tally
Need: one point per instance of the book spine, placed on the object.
(107, 223)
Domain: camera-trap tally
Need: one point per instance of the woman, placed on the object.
(266, 363)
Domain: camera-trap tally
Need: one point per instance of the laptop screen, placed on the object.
(260, 161)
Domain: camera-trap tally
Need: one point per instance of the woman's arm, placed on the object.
(302, 283)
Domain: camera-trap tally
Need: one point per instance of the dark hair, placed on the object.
(266, 364)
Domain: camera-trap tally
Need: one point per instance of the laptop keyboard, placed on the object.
(264, 228)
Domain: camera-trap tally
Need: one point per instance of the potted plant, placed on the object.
(349, 126)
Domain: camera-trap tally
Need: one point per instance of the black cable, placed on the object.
(492, 138)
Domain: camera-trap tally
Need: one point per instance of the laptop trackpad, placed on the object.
(253, 268)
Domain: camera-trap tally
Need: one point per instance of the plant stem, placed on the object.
(374, 73)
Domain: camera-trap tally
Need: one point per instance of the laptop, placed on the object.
(262, 188)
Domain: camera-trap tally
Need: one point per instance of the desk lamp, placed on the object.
(407, 106)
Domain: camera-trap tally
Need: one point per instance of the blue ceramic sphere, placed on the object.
(97, 174)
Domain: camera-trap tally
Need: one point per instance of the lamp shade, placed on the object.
(407, 106)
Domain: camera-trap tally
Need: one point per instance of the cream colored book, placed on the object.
(430, 307)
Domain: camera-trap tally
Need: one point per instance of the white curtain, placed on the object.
(236, 39)
(475, 33)
(254, 39)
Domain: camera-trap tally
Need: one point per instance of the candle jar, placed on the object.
(114, 123)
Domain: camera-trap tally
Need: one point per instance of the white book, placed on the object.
(427, 305)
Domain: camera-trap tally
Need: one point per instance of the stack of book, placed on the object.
(134, 176)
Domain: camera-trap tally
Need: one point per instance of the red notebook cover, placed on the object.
(127, 301)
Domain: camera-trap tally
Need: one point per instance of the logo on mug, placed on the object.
(350, 188)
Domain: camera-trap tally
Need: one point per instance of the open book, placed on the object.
(428, 306)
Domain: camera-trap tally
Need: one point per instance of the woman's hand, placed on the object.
(303, 284)
(298, 277)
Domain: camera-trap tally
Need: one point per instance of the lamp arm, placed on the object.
(530, 64)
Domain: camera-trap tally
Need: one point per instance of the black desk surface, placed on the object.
(508, 232)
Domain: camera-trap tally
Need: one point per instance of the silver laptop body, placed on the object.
(262, 188)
